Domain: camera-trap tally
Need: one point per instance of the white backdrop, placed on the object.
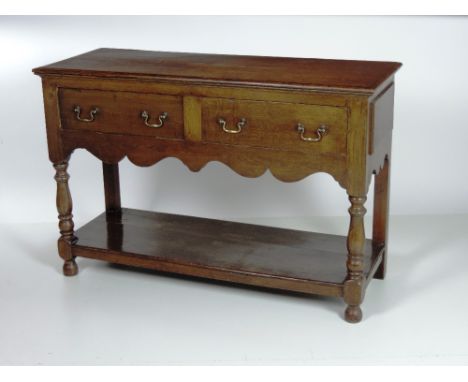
(430, 156)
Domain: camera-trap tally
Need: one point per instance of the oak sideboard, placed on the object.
(291, 116)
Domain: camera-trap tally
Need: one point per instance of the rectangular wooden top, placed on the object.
(220, 69)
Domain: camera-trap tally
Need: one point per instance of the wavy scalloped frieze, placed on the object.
(286, 166)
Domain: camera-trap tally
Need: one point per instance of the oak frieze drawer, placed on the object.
(277, 125)
(291, 116)
(122, 112)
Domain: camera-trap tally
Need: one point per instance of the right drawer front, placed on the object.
(275, 125)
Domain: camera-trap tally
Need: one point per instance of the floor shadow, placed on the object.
(404, 271)
(41, 249)
(334, 305)
(405, 279)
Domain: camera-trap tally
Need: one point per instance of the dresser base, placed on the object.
(240, 253)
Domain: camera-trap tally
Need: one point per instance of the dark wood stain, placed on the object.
(302, 72)
(353, 99)
(120, 112)
(228, 246)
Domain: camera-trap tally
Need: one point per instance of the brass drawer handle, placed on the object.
(240, 125)
(92, 114)
(162, 117)
(320, 132)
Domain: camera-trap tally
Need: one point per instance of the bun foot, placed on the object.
(70, 268)
(353, 314)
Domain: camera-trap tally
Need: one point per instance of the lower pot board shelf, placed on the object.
(235, 252)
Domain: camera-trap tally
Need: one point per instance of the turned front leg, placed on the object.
(64, 208)
(354, 284)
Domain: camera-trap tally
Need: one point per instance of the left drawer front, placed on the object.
(121, 112)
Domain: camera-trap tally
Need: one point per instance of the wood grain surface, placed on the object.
(353, 99)
(363, 76)
(202, 247)
(274, 124)
(120, 112)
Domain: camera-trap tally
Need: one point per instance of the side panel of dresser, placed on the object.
(370, 126)
(379, 164)
(380, 129)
